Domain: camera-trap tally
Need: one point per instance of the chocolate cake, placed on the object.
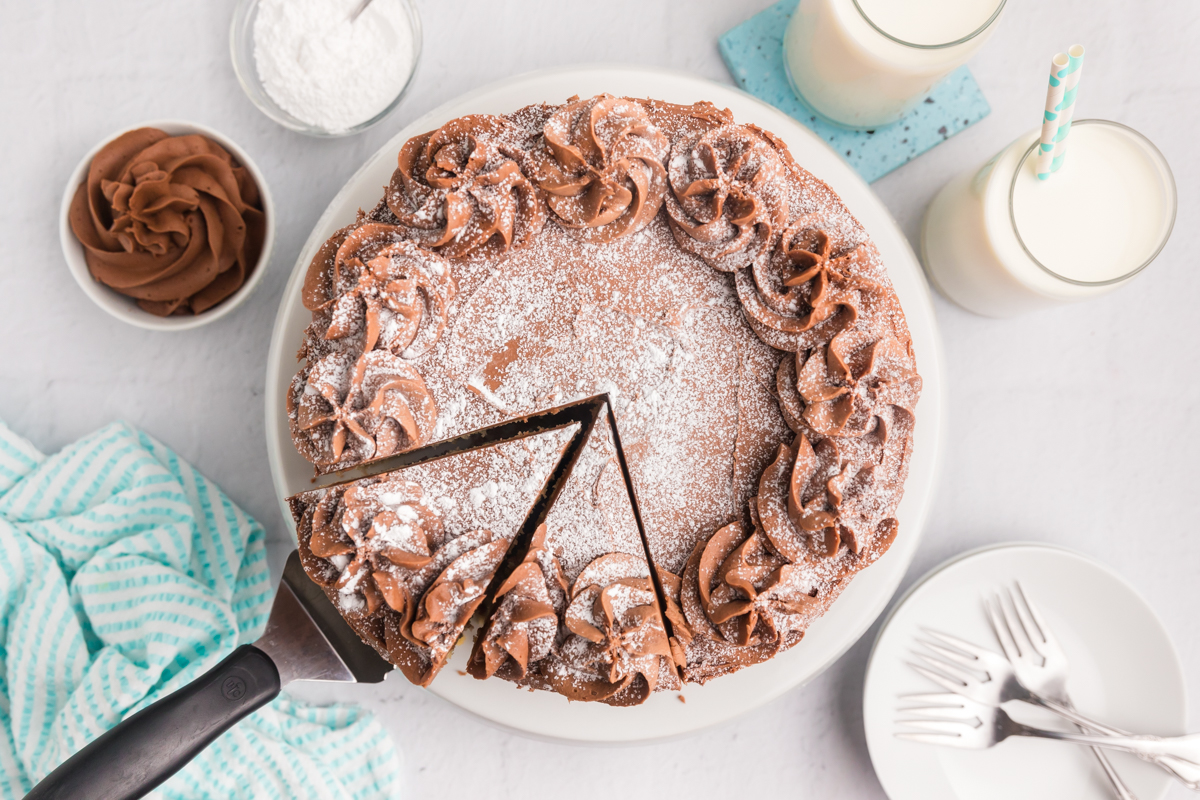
(734, 314)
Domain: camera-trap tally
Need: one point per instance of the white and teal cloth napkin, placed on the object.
(125, 574)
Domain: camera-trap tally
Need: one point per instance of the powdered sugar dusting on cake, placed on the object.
(704, 405)
(593, 514)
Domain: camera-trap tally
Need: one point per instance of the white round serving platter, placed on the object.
(547, 715)
(1123, 671)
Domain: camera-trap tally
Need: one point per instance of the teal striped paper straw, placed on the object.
(1054, 96)
(1070, 88)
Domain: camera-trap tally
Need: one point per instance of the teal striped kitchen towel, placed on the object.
(125, 574)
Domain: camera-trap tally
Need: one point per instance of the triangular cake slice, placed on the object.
(580, 615)
(407, 556)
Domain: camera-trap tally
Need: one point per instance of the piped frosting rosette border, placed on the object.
(602, 639)
(847, 387)
(381, 292)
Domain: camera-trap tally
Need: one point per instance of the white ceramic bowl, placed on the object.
(241, 50)
(126, 308)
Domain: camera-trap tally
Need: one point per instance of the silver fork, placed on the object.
(956, 665)
(957, 721)
(999, 686)
(1028, 636)
(1048, 680)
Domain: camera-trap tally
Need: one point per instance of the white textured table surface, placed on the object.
(1078, 426)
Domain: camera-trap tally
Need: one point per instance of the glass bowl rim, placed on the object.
(241, 51)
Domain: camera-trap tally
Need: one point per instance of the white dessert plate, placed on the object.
(547, 715)
(1124, 671)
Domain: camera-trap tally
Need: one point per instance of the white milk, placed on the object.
(842, 62)
(1091, 226)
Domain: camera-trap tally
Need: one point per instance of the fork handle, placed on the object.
(1186, 772)
(1184, 747)
(1119, 788)
(1182, 751)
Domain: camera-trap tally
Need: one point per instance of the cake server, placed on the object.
(306, 639)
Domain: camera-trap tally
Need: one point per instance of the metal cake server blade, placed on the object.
(306, 639)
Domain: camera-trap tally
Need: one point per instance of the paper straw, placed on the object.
(1054, 95)
(1070, 87)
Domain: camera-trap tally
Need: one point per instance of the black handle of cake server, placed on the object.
(143, 751)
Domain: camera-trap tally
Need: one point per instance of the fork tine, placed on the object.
(947, 654)
(929, 738)
(957, 643)
(952, 671)
(965, 675)
(1016, 624)
(934, 699)
(945, 713)
(952, 727)
(929, 720)
(942, 681)
(1038, 619)
(1030, 626)
(1000, 628)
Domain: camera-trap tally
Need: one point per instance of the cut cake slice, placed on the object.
(407, 556)
(580, 614)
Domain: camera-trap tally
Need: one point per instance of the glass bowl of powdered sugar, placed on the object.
(326, 67)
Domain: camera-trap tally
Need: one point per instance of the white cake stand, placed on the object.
(548, 715)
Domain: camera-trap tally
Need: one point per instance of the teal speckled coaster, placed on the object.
(753, 51)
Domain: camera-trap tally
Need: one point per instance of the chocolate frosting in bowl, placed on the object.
(171, 221)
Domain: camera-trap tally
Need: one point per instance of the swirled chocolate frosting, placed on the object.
(601, 167)
(461, 188)
(172, 221)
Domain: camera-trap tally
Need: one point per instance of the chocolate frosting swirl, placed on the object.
(524, 625)
(381, 289)
(404, 578)
(794, 501)
(461, 189)
(843, 385)
(738, 580)
(172, 221)
(446, 607)
(601, 167)
(617, 646)
(813, 500)
(801, 297)
(380, 524)
(346, 410)
(727, 202)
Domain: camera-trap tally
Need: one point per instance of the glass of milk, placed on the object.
(863, 64)
(1000, 242)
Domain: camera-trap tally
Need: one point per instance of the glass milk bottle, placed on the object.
(864, 63)
(999, 242)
